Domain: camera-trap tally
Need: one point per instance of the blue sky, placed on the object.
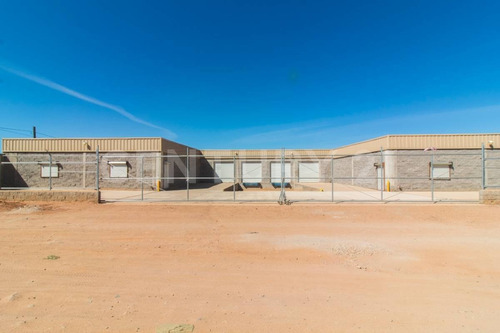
(253, 74)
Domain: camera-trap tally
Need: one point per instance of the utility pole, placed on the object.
(34, 132)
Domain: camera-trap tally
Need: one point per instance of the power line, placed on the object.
(22, 132)
(14, 132)
(15, 129)
(49, 136)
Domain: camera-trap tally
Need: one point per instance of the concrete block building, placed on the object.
(459, 162)
(448, 162)
(71, 163)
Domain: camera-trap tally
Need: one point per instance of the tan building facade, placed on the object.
(395, 162)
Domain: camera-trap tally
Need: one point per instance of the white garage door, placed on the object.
(225, 172)
(309, 172)
(276, 172)
(251, 172)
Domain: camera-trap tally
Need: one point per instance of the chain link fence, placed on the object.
(384, 176)
(48, 171)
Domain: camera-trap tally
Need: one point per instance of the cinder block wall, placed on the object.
(414, 168)
(76, 170)
(139, 165)
(409, 170)
(357, 170)
(25, 170)
(406, 170)
(153, 164)
(492, 172)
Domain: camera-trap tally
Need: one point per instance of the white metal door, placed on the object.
(309, 172)
(224, 171)
(380, 178)
(167, 172)
(276, 172)
(251, 172)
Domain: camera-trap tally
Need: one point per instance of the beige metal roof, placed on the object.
(363, 147)
(388, 142)
(442, 141)
(264, 153)
(83, 145)
(420, 141)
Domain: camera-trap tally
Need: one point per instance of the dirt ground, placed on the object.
(128, 267)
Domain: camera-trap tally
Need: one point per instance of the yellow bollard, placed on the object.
(158, 186)
(388, 186)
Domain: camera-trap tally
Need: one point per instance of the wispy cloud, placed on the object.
(331, 132)
(65, 90)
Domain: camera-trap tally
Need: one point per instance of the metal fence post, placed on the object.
(142, 178)
(332, 181)
(282, 198)
(97, 168)
(84, 171)
(382, 173)
(282, 187)
(234, 178)
(187, 173)
(483, 167)
(50, 171)
(432, 176)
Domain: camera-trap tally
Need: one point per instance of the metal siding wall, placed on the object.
(266, 153)
(443, 141)
(78, 145)
(364, 147)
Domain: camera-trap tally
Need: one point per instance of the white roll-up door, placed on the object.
(118, 169)
(251, 172)
(276, 172)
(309, 172)
(225, 172)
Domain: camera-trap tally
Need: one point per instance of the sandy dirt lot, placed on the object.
(128, 267)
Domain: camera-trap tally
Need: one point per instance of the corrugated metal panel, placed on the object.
(389, 142)
(240, 153)
(364, 146)
(442, 141)
(266, 153)
(420, 141)
(83, 145)
(439, 141)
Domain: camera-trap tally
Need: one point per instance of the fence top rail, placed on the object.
(47, 162)
(294, 156)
